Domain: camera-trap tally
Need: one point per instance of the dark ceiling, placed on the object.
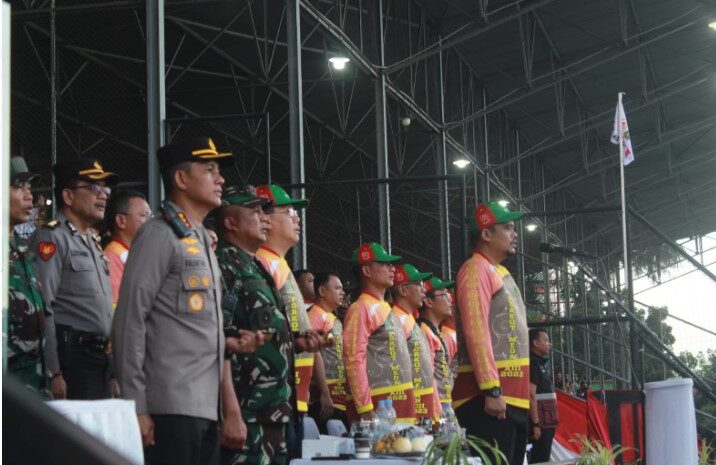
(530, 89)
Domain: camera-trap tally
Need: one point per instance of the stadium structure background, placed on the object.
(523, 90)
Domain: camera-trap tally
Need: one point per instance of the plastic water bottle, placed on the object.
(381, 426)
(391, 415)
(448, 422)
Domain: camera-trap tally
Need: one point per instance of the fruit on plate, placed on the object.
(402, 445)
(396, 443)
(420, 444)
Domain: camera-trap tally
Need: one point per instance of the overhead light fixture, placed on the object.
(503, 203)
(570, 264)
(461, 162)
(48, 202)
(712, 25)
(605, 303)
(531, 227)
(338, 62)
(405, 121)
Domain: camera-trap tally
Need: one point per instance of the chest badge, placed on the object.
(192, 250)
(196, 302)
(46, 250)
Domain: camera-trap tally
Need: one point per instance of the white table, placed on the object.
(113, 421)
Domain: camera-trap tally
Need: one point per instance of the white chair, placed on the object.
(336, 428)
(310, 428)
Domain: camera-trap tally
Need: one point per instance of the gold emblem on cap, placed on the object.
(209, 152)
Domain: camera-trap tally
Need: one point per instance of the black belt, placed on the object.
(82, 338)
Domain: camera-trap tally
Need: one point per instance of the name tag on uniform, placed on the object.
(80, 253)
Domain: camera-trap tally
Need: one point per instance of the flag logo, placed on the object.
(620, 134)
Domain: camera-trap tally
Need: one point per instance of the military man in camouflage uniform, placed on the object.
(26, 310)
(251, 302)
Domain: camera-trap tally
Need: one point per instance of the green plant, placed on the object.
(456, 451)
(706, 454)
(596, 453)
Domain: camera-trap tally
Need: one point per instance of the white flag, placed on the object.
(621, 132)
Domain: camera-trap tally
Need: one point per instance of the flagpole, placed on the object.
(623, 190)
(628, 279)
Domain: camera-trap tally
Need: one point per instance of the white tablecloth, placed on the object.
(113, 422)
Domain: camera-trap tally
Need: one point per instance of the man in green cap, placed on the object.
(375, 350)
(285, 233)
(435, 309)
(74, 279)
(26, 309)
(259, 381)
(491, 392)
(407, 293)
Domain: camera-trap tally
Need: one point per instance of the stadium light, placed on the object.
(531, 227)
(503, 203)
(339, 62)
(461, 162)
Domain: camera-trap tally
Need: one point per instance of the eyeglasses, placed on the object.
(144, 215)
(435, 296)
(96, 189)
(291, 212)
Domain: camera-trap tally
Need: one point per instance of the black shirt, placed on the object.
(539, 374)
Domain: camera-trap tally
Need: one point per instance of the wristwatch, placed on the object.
(494, 392)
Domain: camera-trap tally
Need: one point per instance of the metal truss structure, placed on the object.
(524, 90)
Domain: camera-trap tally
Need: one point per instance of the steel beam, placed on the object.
(381, 136)
(673, 245)
(568, 71)
(156, 103)
(457, 38)
(295, 105)
(442, 170)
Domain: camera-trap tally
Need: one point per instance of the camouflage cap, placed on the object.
(243, 196)
(19, 172)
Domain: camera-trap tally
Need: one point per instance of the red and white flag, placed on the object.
(621, 133)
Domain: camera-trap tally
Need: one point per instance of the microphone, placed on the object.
(566, 251)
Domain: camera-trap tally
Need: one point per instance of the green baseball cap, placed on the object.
(434, 284)
(19, 172)
(409, 274)
(279, 197)
(372, 252)
(243, 196)
(491, 213)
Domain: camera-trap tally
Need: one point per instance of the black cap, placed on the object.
(87, 169)
(19, 173)
(194, 149)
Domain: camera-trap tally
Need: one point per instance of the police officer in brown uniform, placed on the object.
(74, 279)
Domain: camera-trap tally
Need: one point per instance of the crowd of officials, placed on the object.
(224, 349)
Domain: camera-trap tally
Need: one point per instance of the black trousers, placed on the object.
(511, 433)
(85, 370)
(183, 440)
(542, 448)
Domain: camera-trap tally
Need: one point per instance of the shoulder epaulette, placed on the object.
(52, 224)
(176, 219)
